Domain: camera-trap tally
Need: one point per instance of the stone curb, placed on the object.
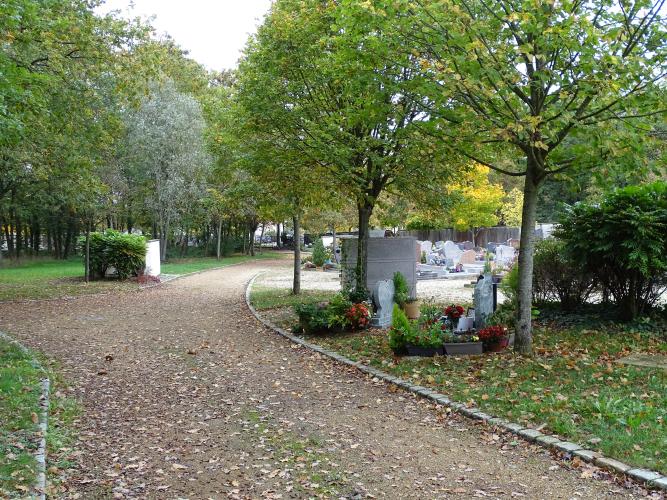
(40, 455)
(648, 477)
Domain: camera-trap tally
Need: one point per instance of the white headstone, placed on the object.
(383, 298)
(152, 258)
(427, 247)
(452, 251)
(504, 255)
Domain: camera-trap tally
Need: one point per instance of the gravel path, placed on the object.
(195, 399)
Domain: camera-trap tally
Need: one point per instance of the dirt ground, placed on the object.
(185, 395)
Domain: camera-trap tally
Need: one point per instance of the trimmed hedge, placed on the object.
(124, 252)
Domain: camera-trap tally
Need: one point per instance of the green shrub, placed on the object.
(319, 253)
(429, 312)
(124, 252)
(400, 329)
(401, 290)
(336, 312)
(313, 318)
(622, 241)
(357, 296)
(324, 317)
(557, 277)
(428, 336)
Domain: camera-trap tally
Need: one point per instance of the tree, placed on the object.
(479, 201)
(165, 143)
(533, 89)
(320, 79)
(510, 210)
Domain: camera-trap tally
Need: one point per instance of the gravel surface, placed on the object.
(185, 395)
(440, 290)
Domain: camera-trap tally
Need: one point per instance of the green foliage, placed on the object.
(401, 291)
(324, 317)
(400, 329)
(557, 276)
(319, 253)
(336, 309)
(429, 312)
(125, 252)
(510, 285)
(357, 295)
(622, 241)
(430, 335)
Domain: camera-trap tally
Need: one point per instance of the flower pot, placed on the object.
(411, 309)
(417, 350)
(497, 345)
(463, 348)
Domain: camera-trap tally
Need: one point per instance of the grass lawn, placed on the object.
(573, 384)
(20, 391)
(19, 407)
(49, 278)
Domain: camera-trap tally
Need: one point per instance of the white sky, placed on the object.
(214, 32)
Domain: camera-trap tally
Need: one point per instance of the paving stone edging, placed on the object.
(40, 456)
(645, 476)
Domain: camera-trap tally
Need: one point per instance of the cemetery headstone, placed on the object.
(427, 247)
(483, 300)
(504, 255)
(452, 251)
(383, 298)
(468, 257)
(467, 245)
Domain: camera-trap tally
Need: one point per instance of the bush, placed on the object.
(358, 295)
(325, 317)
(319, 253)
(401, 290)
(557, 277)
(400, 329)
(124, 252)
(622, 241)
(313, 318)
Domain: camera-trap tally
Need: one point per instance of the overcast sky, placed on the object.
(213, 31)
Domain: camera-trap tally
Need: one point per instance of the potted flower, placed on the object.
(425, 341)
(462, 345)
(494, 338)
(453, 313)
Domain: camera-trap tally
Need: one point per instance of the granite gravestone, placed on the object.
(483, 300)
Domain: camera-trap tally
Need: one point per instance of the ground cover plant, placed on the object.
(573, 385)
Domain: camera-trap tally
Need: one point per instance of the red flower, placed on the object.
(358, 315)
(454, 311)
(492, 333)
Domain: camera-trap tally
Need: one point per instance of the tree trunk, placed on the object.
(217, 249)
(296, 284)
(17, 232)
(87, 270)
(10, 240)
(365, 212)
(261, 236)
(278, 235)
(524, 335)
(164, 231)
